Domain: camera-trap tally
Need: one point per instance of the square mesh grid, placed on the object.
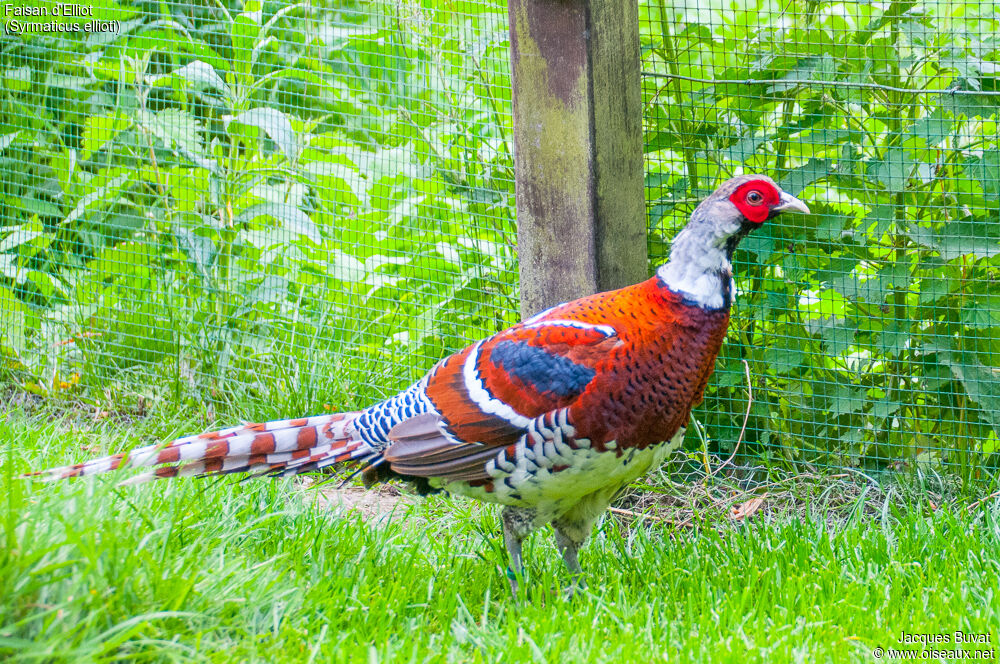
(872, 327)
(210, 195)
(199, 195)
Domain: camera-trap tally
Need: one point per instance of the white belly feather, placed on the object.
(531, 482)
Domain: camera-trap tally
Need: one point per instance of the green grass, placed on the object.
(224, 571)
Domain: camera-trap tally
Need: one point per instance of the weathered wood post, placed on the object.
(577, 148)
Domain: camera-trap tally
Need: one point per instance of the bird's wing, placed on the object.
(487, 396)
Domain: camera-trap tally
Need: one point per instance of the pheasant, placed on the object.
(550, 418)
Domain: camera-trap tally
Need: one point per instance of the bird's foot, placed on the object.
(578, 584)
(514, 577)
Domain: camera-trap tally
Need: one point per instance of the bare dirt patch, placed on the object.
(383, 501)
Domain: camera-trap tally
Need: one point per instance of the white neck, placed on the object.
(699, 269)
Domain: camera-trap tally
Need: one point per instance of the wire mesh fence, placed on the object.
(227, 197)
(871, 327)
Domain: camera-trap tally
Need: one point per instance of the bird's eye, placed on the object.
(755, 198)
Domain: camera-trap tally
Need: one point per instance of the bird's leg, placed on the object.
(570, 536)
(518, 522)
(515, 568)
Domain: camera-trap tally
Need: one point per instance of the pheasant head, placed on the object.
(700, 266)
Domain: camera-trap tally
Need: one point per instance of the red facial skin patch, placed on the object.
(755, 211)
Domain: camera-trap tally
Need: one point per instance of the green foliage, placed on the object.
(872, 327)
(230, 192)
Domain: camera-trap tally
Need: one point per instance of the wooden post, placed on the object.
(577, 148)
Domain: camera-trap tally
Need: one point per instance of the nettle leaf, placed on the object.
(12, 323)
(852, 438)
(831, 227)
(272, 288)
(981, 382)
(745, 148)
(697, 32)
(9, 268)
(933, 129)
(880, 220)
(924, 236)
(786, 353)
(976, 237)
(46, 284)
(970, 105)
(101, 130)
(822, 68)
(104, 194)
(986, 169)
(893, 171)
(201, 251)
(24, 234)
(883, 408)
(897, 274)
(833, 267)
(801, 177)
(199, 74)
(935, 376)
(933, 289)
(257, 6)
(894, 340)
(7, 139)
(245, 30)
(985, 313)
(127, 260)
(272, 122)
(265, 239)
(873, 288)
(33, 206)
(837, 332)
(244, 33)
(17, 80)
(176, 128)
(864, 288)
(345, 267)
(847, 400)
(291, 218)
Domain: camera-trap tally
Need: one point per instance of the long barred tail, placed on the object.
(282, 447)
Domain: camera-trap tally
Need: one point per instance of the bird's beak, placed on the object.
(790, 203)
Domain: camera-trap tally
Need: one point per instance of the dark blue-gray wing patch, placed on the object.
(540, 369)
